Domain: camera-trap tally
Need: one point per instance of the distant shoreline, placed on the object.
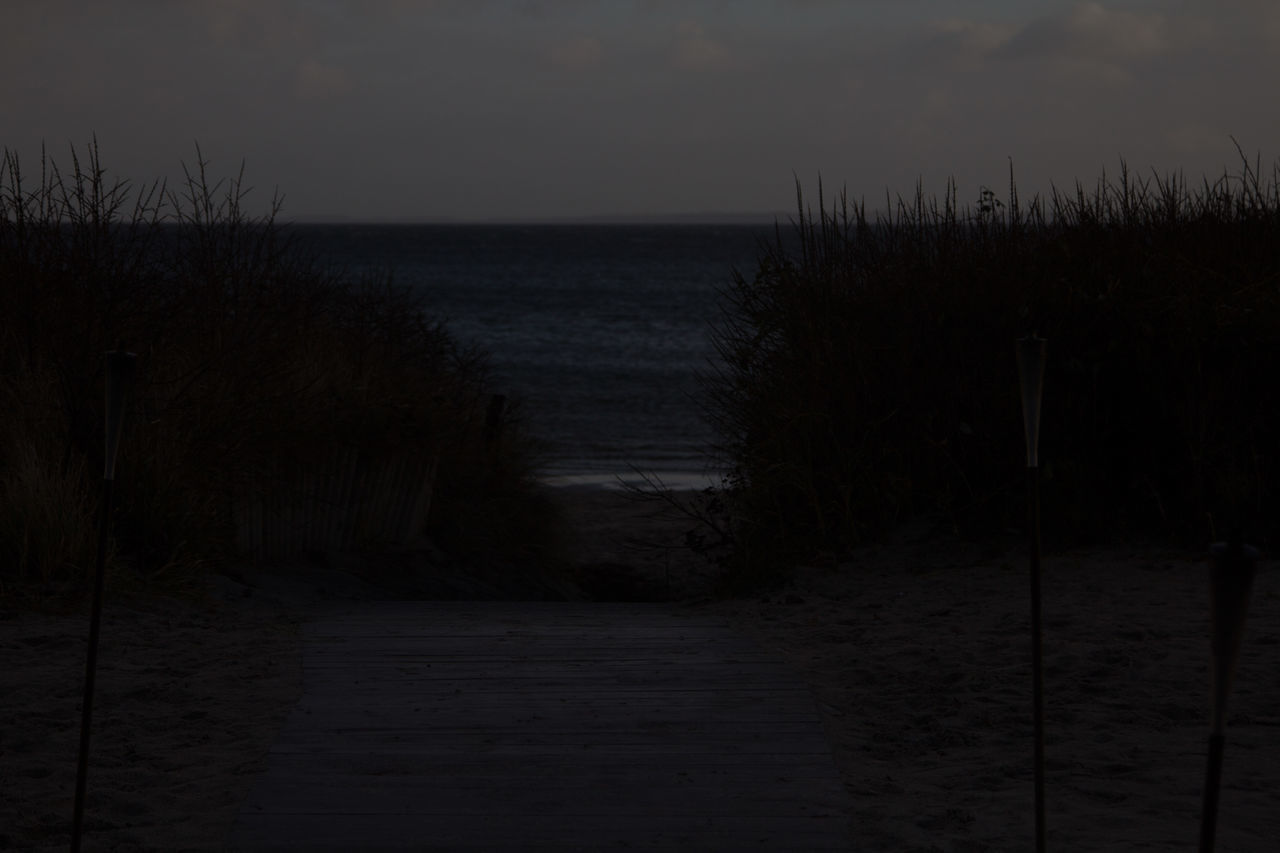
(675, 219)
(679, 481)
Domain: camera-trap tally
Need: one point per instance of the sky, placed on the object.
(484, 110)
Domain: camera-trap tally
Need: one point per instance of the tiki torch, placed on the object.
(120, 371)
(1230, 582)
(1031, 358)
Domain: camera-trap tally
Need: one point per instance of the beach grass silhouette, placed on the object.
(865, 376)
(258, 361)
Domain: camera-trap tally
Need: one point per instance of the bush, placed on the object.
(868, 375)
(254, 358)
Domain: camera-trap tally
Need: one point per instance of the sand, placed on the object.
(917, 652)
(919, 656)
(189, 699)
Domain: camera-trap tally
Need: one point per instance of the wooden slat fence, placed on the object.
(348, 498)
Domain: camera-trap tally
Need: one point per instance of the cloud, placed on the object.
(1261, 18)
(1197, 138)
(1089, 44)
(317, 81)
(966, 44)
(630, 92)
(548, 8)
(577, 54)
(1119, 34)
(695, 51)
(1092, 31)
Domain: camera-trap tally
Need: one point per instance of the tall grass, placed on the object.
(47, 511)
(255, 357)
(868, 375)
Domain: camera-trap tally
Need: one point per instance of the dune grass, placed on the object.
(255, 356)
(867, 368)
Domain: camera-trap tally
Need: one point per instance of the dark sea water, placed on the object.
(599, 330)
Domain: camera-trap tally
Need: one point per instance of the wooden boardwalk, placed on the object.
(543, 726)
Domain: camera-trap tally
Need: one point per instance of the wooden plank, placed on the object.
(512, 687)
(365, 660)
(725, 770)
(501, 666)
(566, 685)
(562, 749)
(601, 671)
(684, 706)
(478, 709)
(583, 671)
(546, 726)
(413, 706)
(477, 621)
(530, 646)
(615, 622)
(535, 634)
(470, 618)
(446, 716)
(621, 796)
(588, 696)
(705, 738)
(560, 612)
(444, 801)
(573, 832)
(625, 657)
(621, 658)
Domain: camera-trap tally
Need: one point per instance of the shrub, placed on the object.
(867, 371)
(255, 357)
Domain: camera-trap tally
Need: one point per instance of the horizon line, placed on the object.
(705, 218)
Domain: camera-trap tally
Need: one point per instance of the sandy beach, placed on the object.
(189, 699)
(919, 657)
(917, 653)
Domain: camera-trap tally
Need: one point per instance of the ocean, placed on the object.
(599, 331)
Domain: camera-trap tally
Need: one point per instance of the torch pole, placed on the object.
(91, 666)
(120, 368)
(1212, 784)
(1031, 359)
(1230, 585)
(1037, 654)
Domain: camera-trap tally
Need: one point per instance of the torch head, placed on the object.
(1031, 359)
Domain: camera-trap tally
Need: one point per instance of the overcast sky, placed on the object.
(516, 109)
